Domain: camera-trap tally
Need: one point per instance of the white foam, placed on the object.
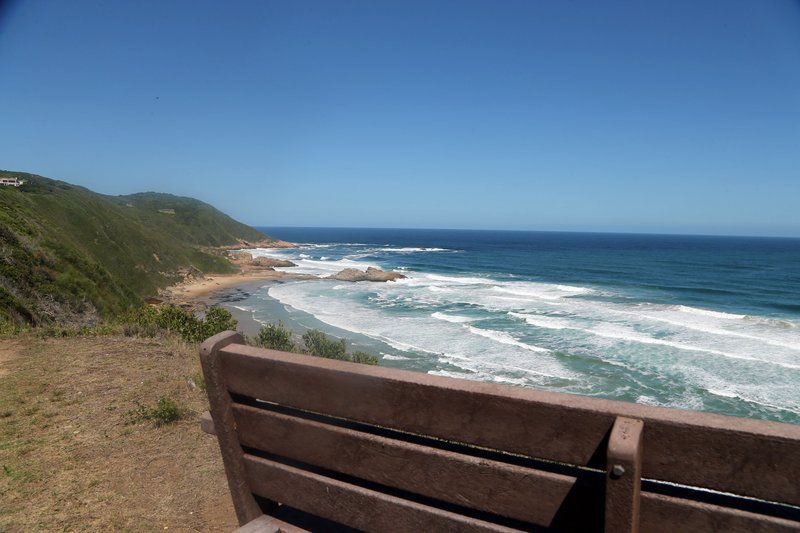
(628, 335)
(544, 291)
(391, 357)
(457, 319)
(708, 312)
(505, 338)
(410, 249)
(451, 374)
(459, 280)
(434, 288)
(323, 245)
(723, 393)
(493, 353)
(541, 321)
(714, 328)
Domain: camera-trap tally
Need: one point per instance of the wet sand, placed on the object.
(190, 291)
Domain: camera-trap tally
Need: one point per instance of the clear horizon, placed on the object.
(673, 118)
(589, 232)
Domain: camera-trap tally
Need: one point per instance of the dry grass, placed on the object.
(69, 459)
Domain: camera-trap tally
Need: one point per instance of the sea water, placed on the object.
(707, 323)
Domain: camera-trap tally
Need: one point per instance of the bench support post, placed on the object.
(623, 476)
(246, 507)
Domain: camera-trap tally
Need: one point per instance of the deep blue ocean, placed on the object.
(708, 323)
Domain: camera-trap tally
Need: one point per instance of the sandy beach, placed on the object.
(192, 290)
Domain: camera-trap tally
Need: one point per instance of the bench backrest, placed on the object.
(384, 449)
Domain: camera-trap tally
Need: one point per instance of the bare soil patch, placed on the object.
(9, 349)
(71, 460)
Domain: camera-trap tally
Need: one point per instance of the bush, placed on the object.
(317, 343)
(275, 337)
(166, 411)
(145, 321)
(364, 358)
(278, 337)
(218, 320)
(180, 321)
(140, 330)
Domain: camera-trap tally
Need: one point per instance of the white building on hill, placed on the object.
(12, 182)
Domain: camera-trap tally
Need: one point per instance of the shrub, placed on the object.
(180, 321)
(145, 321)
(276, 337)
(218, 320)
(279, 337)
(166, 411)
(140, 330)
(317, 343)
(364, 358)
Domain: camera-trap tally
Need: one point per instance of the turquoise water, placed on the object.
(707, 323)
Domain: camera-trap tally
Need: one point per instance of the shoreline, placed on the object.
(193, 290)
(224, 290)
(189, 291)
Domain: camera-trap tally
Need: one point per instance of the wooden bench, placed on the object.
(381, 449)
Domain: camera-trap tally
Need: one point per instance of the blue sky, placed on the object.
(673, 116)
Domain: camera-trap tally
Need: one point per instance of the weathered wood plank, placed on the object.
(666, 514)
(352, 505)
(741, 456)
(472, 482)
(374, 511)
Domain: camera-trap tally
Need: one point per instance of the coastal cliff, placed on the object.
(73, 256)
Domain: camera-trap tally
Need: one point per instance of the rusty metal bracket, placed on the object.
(623, 476)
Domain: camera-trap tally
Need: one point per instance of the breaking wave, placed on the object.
(591, 340)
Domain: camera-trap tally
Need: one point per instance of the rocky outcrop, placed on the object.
(245, 259)
(371, 274)
(245, 245)
(190, 273)
(271, 262)
(240, 258)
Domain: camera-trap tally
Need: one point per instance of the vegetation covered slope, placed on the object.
(68, 254)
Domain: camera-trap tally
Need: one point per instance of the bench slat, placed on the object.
(472, 482)
(667, 514)
(349, 504)
(741, 456)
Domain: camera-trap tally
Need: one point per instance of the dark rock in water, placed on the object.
(371, 274)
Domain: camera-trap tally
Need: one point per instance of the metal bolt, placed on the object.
(617, 470)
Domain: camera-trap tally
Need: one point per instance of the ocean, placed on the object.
(696, 322)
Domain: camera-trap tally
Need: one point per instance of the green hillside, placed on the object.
(68, 254)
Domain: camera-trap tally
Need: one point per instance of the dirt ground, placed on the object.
(70, 458)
